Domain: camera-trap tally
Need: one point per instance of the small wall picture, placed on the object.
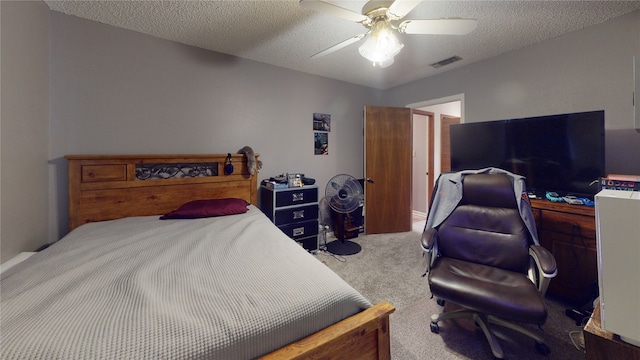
(321, 143)
(321, 122)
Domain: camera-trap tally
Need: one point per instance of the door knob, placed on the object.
(370, 180)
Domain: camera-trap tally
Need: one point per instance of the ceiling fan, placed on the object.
(383, 19)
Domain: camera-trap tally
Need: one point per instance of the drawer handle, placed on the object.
(298, 231)
(298, 214)
(298, 196)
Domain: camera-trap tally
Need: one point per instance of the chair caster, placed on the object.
(435, 328)
(440, 302)
(543, 349)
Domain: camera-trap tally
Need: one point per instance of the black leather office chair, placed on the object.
(483, 259)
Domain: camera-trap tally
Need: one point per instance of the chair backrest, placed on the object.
(486, 226)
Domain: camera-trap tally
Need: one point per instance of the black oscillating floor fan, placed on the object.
(343, 193)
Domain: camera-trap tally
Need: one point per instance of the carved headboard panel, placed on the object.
(107, 187)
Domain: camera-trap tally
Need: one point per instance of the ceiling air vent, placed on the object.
(444, 62)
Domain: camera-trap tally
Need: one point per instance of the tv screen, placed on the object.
(562, 153)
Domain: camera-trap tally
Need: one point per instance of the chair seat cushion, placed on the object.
(502, 293)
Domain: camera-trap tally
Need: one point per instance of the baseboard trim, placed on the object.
(419, 214)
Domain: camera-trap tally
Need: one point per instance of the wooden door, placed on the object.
(445, 141)
(388, 146)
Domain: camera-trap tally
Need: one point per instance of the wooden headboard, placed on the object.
(107, 187)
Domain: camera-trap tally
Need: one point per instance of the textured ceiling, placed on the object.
(281, 33)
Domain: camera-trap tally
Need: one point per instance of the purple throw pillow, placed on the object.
(208, 208)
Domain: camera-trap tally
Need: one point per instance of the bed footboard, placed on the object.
(362, 336)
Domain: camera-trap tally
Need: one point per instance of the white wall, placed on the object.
(115, 91)
(588, 69)
(24, 127)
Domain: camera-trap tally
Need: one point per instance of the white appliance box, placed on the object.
(618, 239)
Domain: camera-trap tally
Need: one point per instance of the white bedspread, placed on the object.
(233, 287)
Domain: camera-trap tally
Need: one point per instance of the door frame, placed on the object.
(430, 149)
(433, 174)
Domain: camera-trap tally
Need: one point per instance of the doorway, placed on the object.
(428, 119)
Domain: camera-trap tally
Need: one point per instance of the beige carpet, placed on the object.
(389, 267)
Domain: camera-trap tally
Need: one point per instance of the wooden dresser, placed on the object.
(569, 232)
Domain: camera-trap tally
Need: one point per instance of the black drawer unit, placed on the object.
(294, 211)
(295, 214)
(300, 230)
(296, 196)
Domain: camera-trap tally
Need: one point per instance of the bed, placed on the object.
(125, 284)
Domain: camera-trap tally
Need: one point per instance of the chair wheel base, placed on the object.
(435, 328)
(543, 349)
(440, 302)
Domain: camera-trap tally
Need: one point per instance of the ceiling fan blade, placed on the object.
(331, 9)
(439, 26)
(338, 46)
(400, 8)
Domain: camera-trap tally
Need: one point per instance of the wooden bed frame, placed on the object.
(107, 187)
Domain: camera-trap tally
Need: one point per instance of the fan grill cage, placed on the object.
(343, 193)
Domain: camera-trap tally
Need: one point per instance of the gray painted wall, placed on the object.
(24, 128)
(115, 91)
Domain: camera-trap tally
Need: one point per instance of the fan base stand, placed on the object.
(343, 247)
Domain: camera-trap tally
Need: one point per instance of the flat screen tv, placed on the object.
(561, 153)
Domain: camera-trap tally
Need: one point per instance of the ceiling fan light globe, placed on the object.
(381, 45)
(384, 64)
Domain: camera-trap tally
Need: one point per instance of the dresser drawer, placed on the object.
(295, 214)
(310, 243)
(301, 229)
(570, 224)
(96, 173)
(296, 196)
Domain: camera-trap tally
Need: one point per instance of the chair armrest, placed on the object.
(429, 244)
(544, 259)
(428, 240)
(546, 267)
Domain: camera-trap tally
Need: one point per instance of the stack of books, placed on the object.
(620, 182)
